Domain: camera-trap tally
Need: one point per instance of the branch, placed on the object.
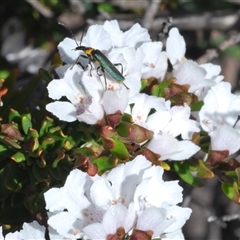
(150, 13)
(41, 8)
(212, 53)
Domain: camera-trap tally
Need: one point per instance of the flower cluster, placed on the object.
(167, 108)
(89, 101)
(121, 203)
(168, 116)
(131, 200)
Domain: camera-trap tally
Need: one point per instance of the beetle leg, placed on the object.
(119, 64)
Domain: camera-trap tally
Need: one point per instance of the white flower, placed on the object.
(146, 194)
(163, 221)
(143, 104)
(220, 107)
(116, 217)
(71, 197)
(33, 231)
(154, 61)
(134, 37)
(189, 72)
(85, 104)
(100, 206)
(225, 138)
(154, 219)
(169, 120)
(199, 77)
(117, 50)
(114, 101)
(171, 148)
(175, 47)
(213, 72)
(82, 106)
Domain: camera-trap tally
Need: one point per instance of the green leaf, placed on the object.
(233, 174)
(14, 116)
(231, 191)
(127, 118)
(106, 7)
(116, 147)
(105, 163)
(40, 174)
(44, 74)
(119, 150)
(33, 202)
(18, 157)
(47, 124)
(33, 133)
(47, 143)
(158, 90)
(123, 129)
(233, 51)
(203, 171)
(14, 177)
(4, 74)
(183, 169)
(62, 170)
(26, 122)
(197, 106)
(3, 149)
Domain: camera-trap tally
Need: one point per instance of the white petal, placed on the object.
(65, 111)
(176, 46)
(54, 199)
(101, 193)
(170, 148)
(136, 35)
(155, 61)
(97, 38)
(190, 73)
(66, 50)
(33, 231)
(112, 27)
(158, 121)
(153, 219)
(225, 138)
(180, 117)
(114, 101)
(212, 70)
(181, 215)
(220, 107)
(95, 231)
(187, 149)
(66, 225)
(92, 114)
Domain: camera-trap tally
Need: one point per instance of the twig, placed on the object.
(165, 28)
(41, 9)
(213, 20)
(78, 5)
(212, 53)
(150, 13)
(222, 220)
(219, 20)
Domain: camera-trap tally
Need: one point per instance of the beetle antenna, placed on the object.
(71, 33)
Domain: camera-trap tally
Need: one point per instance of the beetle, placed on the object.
(96, 56)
